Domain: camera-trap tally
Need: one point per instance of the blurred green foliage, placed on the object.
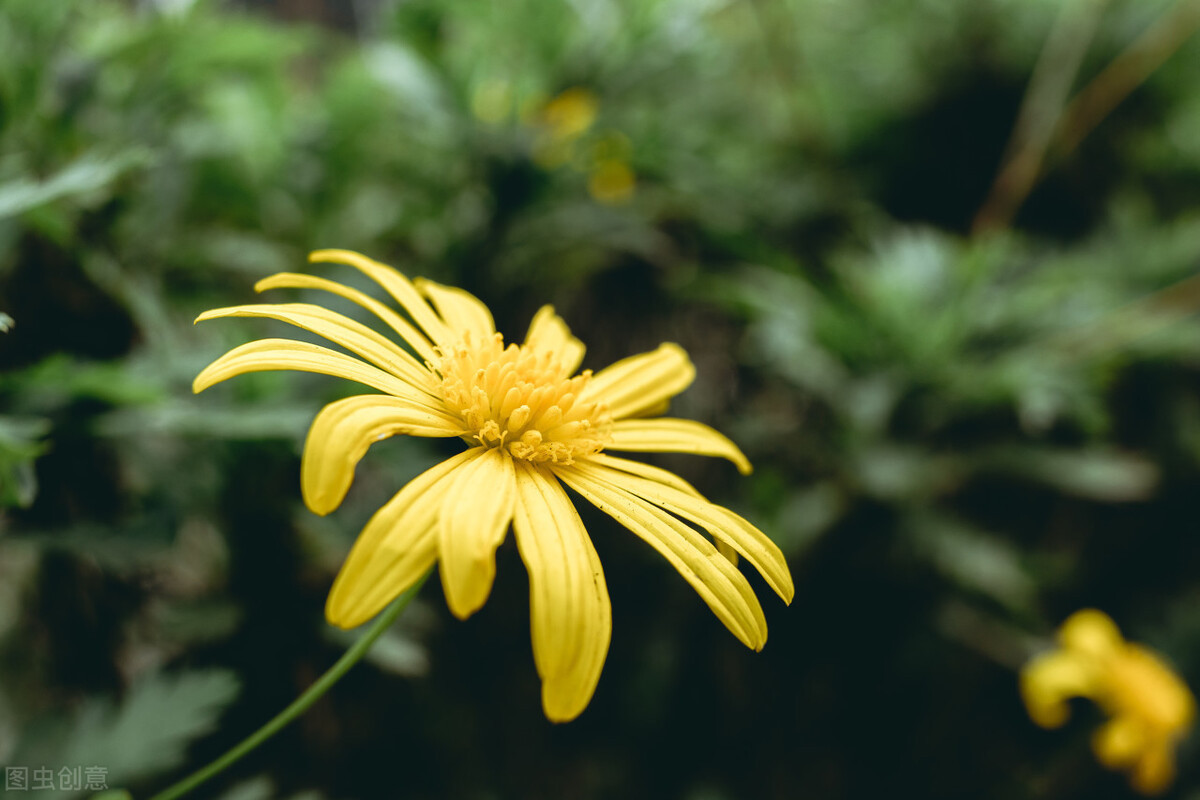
(958, 440)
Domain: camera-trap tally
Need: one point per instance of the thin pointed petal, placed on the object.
(643, 470)
(475, 515)
(658, 475)
(675, 436)
(265, 355)
(570, 613)
(342, 331)
(461, 310)
(394, 283)
(394, 550)
(725, 590)
(722, 523)
(548, 332)
(342, 432)
(294, 280)
(645, 381)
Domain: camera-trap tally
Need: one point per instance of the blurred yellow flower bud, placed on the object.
(1150, 708)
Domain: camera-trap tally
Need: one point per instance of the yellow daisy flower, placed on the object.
(1151, 709)
(530, 426)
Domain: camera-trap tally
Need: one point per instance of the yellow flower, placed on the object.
(571, 113)
(612, 182)
(1150, 708)
(530, 426)
(561, 122)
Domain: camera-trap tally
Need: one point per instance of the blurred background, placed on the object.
(973, 404)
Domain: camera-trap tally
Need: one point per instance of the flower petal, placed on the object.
(294, 280)
(642, 382)
(656, 474)
(719, 584)
(570, 613)
(475, 515)
(341, 330)
(675, 436)
(722, 523)
(548, 332)
(661, 476)
(394, 283)
(1050, 679)
(271, 354)
(1120, 742)
(1155, 770)
(342, 432)
(1092, 633)
(397, 546)
(461, 310)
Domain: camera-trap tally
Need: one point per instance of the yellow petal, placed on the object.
(271, 354)
(1119, 742)
(397, 546)
(394, 283)
(342, 432)
(660, 476)
(1050, 679)
(643, 470)
(675, 436)
(341, 330)
(1092, 632)
(474, 517)
(722, 523)
(548, 332)
(1155, 770)
(645, 381)
(719, 584)
(570, 613)
(460, 309)
(294, 280)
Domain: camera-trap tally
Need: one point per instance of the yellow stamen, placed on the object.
(517, 398)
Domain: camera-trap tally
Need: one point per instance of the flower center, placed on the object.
(519, 398)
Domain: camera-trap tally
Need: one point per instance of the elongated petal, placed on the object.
(1049, 680)
(475, 515)
(341, 330)
(1155, 769)
(460, 309)
(570, 613)
(394, 283)
(647, 471)
(398, 545)
(342, 432)
(660, 476)
(722, 523)
(645, 381)
(675, 436)
(548, 332)
(719, 584)
(294, 280)
(272, 354)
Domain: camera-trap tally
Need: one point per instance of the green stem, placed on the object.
(1040, 112)
(301, 703)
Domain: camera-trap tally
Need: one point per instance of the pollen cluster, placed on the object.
(521, 399)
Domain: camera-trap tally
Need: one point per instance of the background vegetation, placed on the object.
(964, 427)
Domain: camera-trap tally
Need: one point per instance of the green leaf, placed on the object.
(147, 733)
(151, 730)
(20, 446)
(87, 174)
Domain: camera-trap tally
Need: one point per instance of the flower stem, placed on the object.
(301, 703)
(1041, 110)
